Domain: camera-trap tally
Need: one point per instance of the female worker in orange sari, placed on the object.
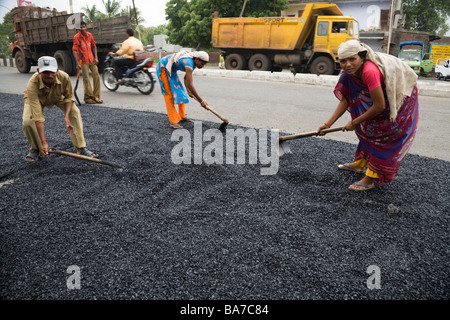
(171, 86)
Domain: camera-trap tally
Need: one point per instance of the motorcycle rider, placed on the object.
(129, 46)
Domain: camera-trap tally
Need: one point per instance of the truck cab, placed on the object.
(331, 31)
(411, 52)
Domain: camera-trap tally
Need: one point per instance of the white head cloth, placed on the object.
(350, 48)
(399, 78)
(202, 55)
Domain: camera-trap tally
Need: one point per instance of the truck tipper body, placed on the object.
(307, 43)
(44, 32)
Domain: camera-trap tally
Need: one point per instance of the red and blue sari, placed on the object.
(382, 142)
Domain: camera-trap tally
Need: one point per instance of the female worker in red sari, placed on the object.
(380, 92)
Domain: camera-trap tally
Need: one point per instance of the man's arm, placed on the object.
(95, 55)
(41, 131)
(75, 55)
(75, 49)
(69, 126)
(122, 50)
(68, 101)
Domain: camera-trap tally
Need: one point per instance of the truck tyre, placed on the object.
(64, 61)
(22, 63)
(235, 61)
(259, 62)
(322, 65)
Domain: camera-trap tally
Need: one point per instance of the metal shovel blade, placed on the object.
(223, 125)
(283, 148)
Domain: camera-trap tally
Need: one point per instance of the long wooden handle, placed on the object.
(79, 156)
(217, 115)
(308, 134)
(214, 112)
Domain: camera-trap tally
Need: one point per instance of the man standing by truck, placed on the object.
(83, 45)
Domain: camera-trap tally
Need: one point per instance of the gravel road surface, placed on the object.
(163, 231)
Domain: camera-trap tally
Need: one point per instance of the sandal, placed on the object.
(33, 156)
(362, 187)
(186, 120)
(176, 126)
(90, 101)
(97, 100)
(347, 166)
(88, 153)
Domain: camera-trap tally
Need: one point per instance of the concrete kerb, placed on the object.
(434, 88)
(4, 62)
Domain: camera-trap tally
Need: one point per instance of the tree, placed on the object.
(112, 8)
(7, 35)
(190, 22)
(427, 15)
(129, 11)
(92, 14)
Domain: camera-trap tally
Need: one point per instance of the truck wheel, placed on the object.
(322, 65)
(64, 61)
(439, 76)
(235, 61)
(259, 62)
(22, 63)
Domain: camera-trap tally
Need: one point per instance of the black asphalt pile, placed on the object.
(163, 231)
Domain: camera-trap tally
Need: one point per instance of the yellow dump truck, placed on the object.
(308, 43)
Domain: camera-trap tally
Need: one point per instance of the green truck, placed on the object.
(411, 52)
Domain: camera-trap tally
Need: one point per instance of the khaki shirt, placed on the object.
(38, 95)
(129, 46)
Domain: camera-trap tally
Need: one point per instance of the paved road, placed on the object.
(290, 107)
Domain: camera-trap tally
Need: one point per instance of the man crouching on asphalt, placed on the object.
(46, 88)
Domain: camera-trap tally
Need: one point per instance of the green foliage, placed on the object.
(92, 14)
(427, 15)
(112, 8)
(190, 22)
(7, 35)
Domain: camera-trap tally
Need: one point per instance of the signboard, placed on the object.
(440, 51)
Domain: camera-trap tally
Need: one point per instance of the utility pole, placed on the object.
(137, 23)
(390, 27)
(243, 7)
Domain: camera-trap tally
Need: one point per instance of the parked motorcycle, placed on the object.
(137, 76)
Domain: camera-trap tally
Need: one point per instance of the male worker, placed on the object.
(46, 88)
(129, 46)
(83, 45)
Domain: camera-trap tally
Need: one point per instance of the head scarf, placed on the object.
(202, 55)
(399, 78)
(350, 48)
